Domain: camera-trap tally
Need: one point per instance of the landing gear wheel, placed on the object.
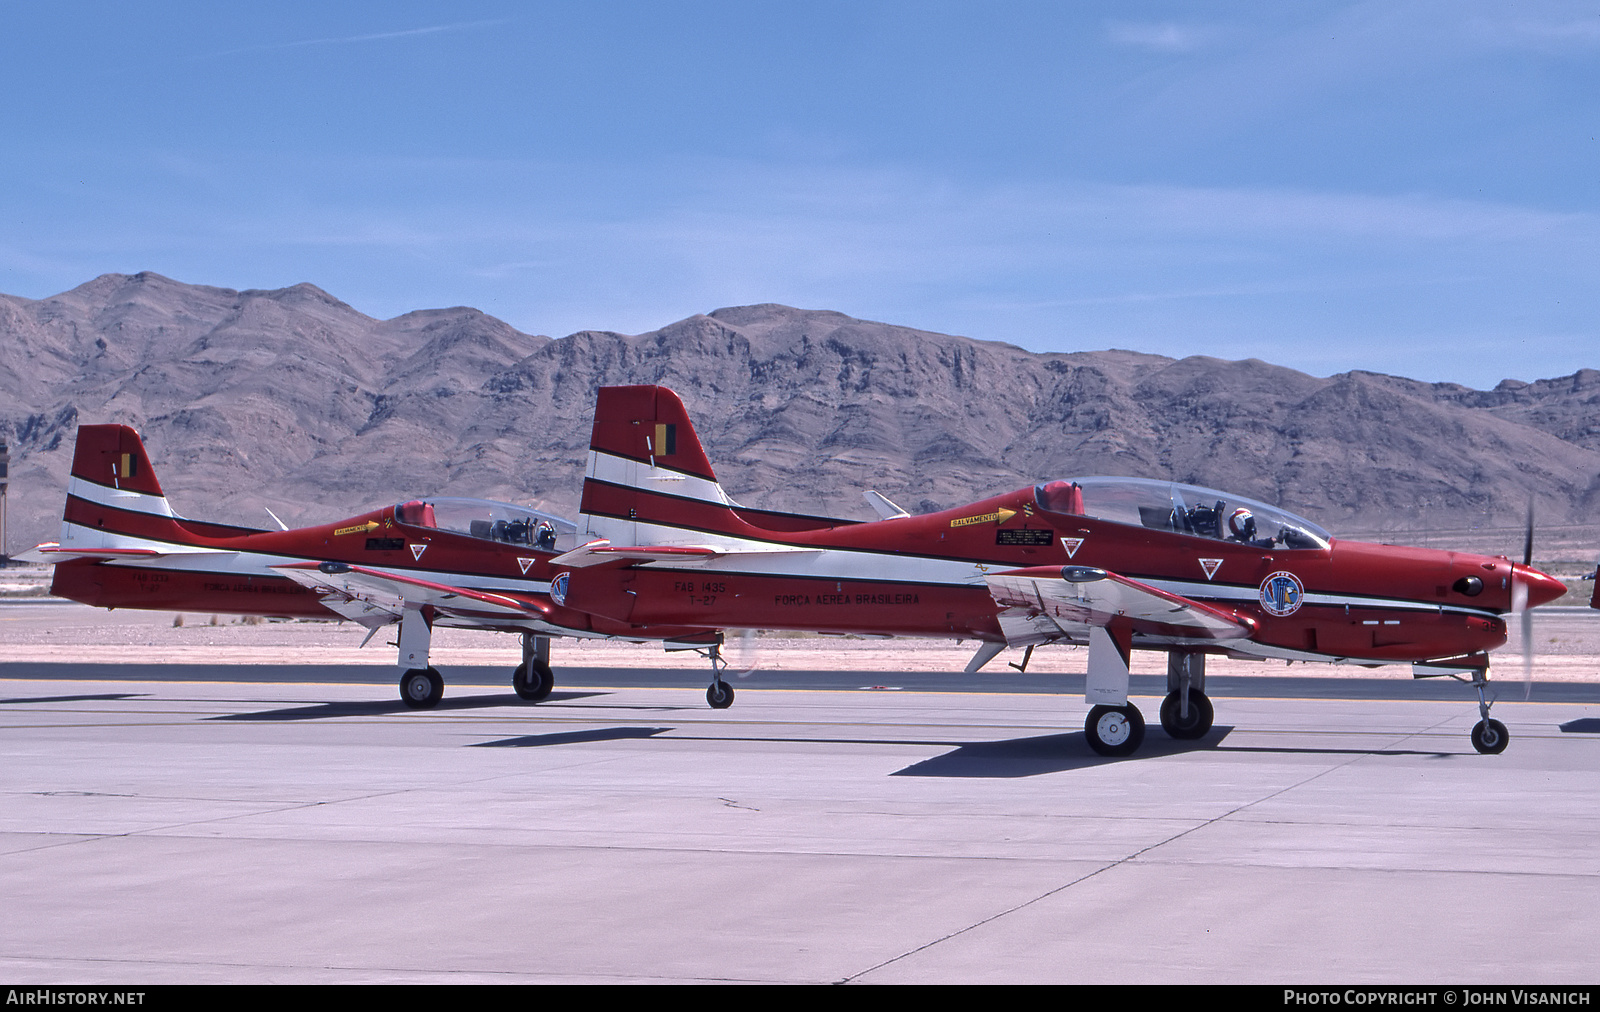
(1115, 730)
(1186, 728)
(720, 695)
(533, 681)
(421, 688)
(1490, 737)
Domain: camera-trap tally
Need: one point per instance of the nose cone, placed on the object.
(1542, 587)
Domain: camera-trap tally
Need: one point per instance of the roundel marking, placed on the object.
(1282, 593)
(558, 589)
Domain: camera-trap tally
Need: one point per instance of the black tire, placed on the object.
(1490, 737)
(1115, 730)
(720, 695)
(421, 688)
(535, 688)
(1201, 715)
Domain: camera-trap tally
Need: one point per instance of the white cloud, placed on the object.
(1159, 36)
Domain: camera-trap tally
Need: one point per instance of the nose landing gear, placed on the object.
(719, 694)
(1489, 736)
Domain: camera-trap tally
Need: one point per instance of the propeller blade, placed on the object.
(1527, 540)
(1527, 646)
(1519, 605)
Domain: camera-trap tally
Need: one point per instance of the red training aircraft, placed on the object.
(424, 563)
(1117, 563)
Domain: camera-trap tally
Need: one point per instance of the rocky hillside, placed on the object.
(292, 399)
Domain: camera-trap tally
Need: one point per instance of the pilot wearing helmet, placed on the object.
(544, 537)
(1242, 528)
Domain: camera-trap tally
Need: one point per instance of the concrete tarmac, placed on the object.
(162, 830)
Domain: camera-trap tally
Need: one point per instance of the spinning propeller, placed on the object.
(1519, 605)
(747, 655)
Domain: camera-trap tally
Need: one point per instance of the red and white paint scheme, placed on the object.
(1118, 564)
(420, 564)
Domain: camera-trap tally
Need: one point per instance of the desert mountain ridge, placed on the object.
(291, 399)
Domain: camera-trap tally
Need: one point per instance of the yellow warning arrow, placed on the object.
(999, 516)
(370, 525)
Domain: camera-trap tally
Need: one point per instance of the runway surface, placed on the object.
(170, 826)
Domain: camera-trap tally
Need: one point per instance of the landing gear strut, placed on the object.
(1489, 736)
(1114, 727)
(533, 678)
(421, 686)
(719, 694)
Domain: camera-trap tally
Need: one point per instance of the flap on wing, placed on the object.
(601, 551)
(390, 593)
(1073, 598)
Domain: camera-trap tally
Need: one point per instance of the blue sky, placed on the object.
(1402, 186)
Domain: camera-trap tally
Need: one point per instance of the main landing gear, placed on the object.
(533, 678)
(1186, 713)
(1114, 730)
(1115, 727)
(421, 688)
(421, 685)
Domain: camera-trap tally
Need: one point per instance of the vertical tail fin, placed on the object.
(647, 470)
(113, 493)
(113, 456)
(649, 425)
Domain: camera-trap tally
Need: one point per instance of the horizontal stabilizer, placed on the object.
(52, 552)
(1050, 603)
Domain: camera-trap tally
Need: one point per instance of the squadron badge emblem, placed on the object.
(1282, 593)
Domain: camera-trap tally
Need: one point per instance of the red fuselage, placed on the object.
(923, 576)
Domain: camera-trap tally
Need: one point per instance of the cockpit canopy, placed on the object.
(491, 521)
(1186, 509)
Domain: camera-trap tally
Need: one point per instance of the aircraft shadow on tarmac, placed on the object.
(99, 696)
(574, 737)
(373, 708)
(1583, 725)
(1050, 753)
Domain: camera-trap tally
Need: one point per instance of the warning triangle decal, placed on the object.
(417, 550)
(1210, 566)
(524, 563)
(1071, 545)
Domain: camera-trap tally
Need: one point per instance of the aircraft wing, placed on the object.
(600, 552)
(1050, 603)
(372, 597)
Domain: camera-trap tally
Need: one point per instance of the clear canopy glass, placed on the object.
(491, 521)
(1185, 509)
